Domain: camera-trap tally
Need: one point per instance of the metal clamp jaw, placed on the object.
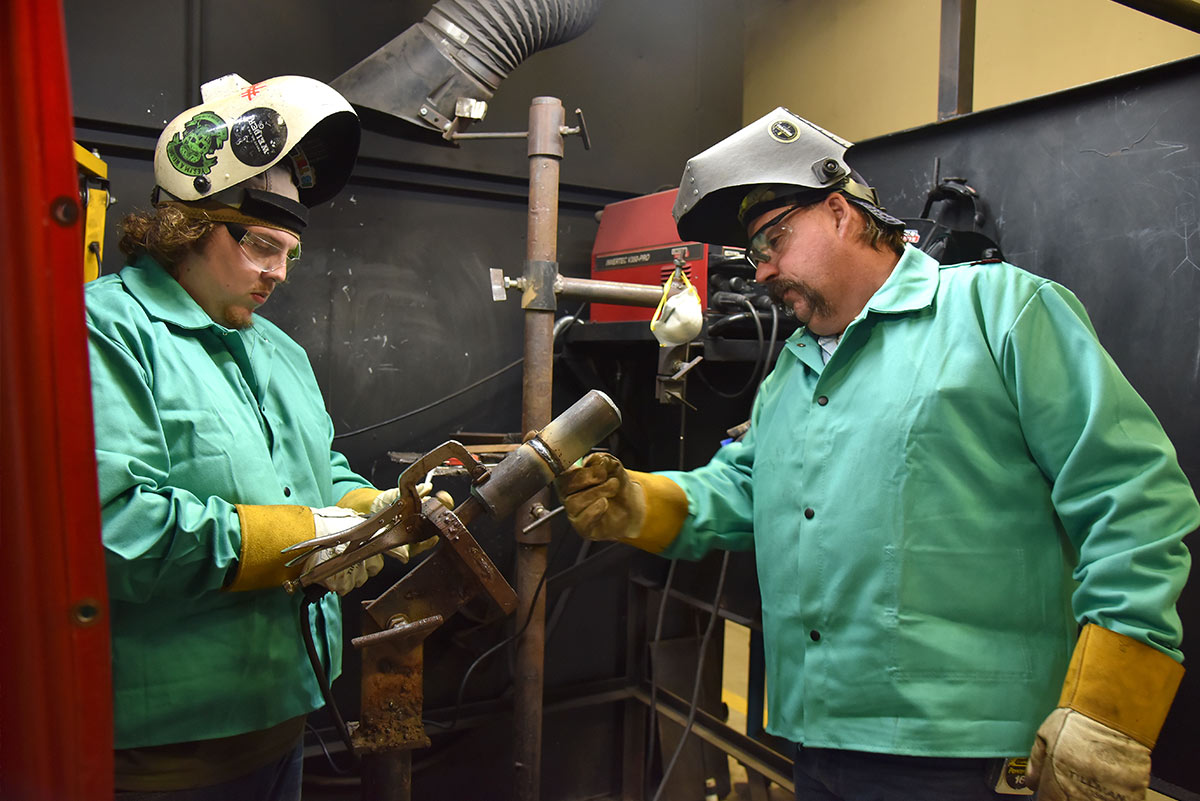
(396, 623)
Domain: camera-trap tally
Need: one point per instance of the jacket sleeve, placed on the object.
(1117, 487)
(720, 503)
(159, 540)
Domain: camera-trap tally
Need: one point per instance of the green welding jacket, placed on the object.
(936, 509)
(192, 418)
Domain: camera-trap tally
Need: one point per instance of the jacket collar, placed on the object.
(911, 286)
(161, 295)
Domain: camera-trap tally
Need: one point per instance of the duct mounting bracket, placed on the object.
(430, 114)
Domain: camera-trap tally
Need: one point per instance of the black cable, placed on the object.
(325, 750)
(695, 702)
(658, 624)
(565, 595)
(753, 380)
(313, 593)
(766, 368)
(429, 406)
(462, 687)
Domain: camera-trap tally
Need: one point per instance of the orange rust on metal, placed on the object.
(392, 699)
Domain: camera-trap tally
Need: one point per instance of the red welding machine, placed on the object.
(637, 244)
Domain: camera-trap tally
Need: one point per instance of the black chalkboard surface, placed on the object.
(1097, 188)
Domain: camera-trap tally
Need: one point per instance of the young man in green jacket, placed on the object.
(214, 451)
(945, 476)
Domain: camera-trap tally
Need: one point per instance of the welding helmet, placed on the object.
(779, 159)
(209, 159)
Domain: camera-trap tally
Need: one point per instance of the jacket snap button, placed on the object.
(287, 492)
(822, 400)
(809, 513)
(815, 635)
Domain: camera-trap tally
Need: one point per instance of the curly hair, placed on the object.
(166, 233)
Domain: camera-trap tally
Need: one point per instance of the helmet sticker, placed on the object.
(191, 151)
(783, 131)
(305, 176)
(258, 136)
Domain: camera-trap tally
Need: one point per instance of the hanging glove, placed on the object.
(604, 501)
(267, 530)
(1096, 745)
(386, 498)
(679, 317)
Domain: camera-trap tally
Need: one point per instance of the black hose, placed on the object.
(313, 593)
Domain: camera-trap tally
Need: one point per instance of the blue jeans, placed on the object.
(277, 781)
(824, 774)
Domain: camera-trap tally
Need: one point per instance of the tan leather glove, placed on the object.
(268, 529)
(604, 501)
(1096, 745)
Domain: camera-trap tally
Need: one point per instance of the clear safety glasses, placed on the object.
(765, 242)
(267, 255)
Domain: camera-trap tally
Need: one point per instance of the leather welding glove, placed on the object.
(388, 497)
(268, 529)
(1096, 745)
(604, 501)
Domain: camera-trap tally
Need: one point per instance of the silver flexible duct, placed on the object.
(440, 73)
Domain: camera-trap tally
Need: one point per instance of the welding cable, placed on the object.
(462, 687)
(560, 604)
(429, 406)
(313, 593)
(695, 702)
(658, 626)
(754, 379)
(325, 750)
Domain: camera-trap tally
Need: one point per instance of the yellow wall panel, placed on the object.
(863, 68)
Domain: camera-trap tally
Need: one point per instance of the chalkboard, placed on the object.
(1097, 188)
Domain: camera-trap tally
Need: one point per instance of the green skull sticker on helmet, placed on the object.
(191, 150)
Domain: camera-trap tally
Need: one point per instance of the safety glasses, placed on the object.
(765, 243)
(267, 255)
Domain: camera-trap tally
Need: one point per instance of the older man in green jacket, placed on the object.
(944, 477)
(214, 451)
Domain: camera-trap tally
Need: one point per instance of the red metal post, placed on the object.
(56, 691)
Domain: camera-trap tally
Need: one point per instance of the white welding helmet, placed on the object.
(776, 160)
(242, 130)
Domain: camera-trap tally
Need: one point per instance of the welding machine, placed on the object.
(637, 244)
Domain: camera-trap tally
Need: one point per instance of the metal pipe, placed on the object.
(608, 291)
(956, 74)
(546, 117)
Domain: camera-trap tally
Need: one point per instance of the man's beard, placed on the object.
(237, 318)
(777, 288)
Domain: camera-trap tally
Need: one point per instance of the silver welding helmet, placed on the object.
(213, 160)
(779, 159)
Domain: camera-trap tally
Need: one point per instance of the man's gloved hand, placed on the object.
(604, 501)
(1075, 757)
(331, 520)
(388, 497)
(1096, 745)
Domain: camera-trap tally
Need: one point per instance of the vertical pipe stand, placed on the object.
(546, 119)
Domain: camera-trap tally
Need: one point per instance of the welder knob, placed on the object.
(202, 184)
